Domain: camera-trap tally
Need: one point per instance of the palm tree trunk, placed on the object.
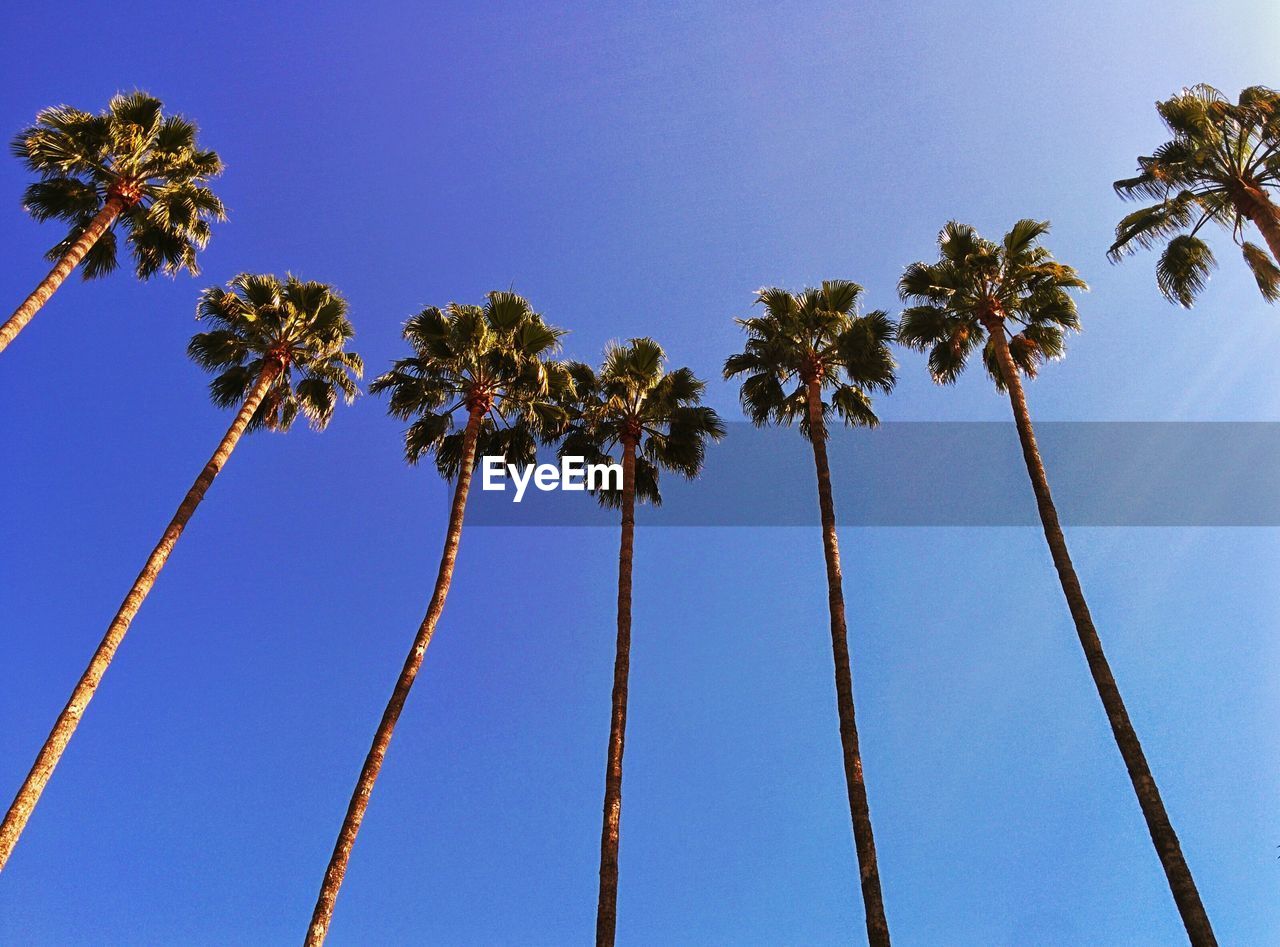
(864, 841)
(31, 305)
(322, 916)
(1181, 883)
(1257, 206)
(24, 803)
(607, 906)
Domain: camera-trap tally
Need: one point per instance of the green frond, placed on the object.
(158, 250)
(61, 198)
(505, 311)
(947, 360)
(1147, 226)
(778, 303)
(1038, 343)
(922, 326)
(676, 388)
(448, 454)
(317, 397)
(638, 363)
(425, 435)
(853, 406)
(681, 446)
(136, 115)
(1023, 235)
(101, 258)
(535, 339)
(741, 364)
(840, 295)
(995, 370)
(516, 444)
(864, 353)
(584, 377)
(928, 283)
(1264, 269)
(230, 388)
(1183, 269)
(959, 241)
(1191, 113)
(1049, 305)
(762, 397)
(63, 141)
(217, 349)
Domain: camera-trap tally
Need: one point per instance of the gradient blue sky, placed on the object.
(633, 169)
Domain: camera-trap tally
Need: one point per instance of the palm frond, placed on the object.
(1184, 268)
(1264, 270)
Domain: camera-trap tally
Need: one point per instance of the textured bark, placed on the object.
(1257, 206)
(322, 916)
(20, 811)
(859, 811)
(1181, 883)
(31, 305)
(607, 906)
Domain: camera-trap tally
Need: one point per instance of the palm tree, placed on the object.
(1221, 165)
(656, 417)
(1013, 299)
(278, 350)
(492, 364)
(130, 165)
(803, 346)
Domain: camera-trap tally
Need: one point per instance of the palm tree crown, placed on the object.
(634, 400)
(816, 336)
(977, 288)
(132, 153)
(296, 330)
(493, 362)
(1221, 162)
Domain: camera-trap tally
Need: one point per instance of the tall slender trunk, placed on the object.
(607, 906)
(1258, 207)
(322, 916)
(864, 841)
(24, 803)
(1181, 883)
(31, 305)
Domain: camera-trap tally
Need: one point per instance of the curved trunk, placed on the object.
(1181, 883)
(23, 804)
(322, 916)
(1257, 206)
(864, 841)
(607, 906)
(31, 305)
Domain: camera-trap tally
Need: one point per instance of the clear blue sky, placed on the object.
(633, 168)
